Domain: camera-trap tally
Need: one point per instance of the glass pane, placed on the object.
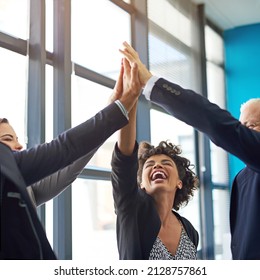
(98, 30)
(173, 21)
(14, 17)
(175, 131)
(219, 165)
(221, 201)
(89, 98)
(214, 46)
(168, 62)
(216, 94)
(216, 84)
(179, 134)
(49, 25)
(49, 104)
(93, 221)
(13, 91)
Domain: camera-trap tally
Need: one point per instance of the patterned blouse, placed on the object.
(186, 249)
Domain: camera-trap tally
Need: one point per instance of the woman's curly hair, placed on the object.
(190, 181)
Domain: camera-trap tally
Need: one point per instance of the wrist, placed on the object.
(122, 107)
(146, 78)
(128, 102)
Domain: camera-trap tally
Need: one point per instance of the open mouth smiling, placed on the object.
(158, 175)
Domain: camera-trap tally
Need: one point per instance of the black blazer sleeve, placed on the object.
(45, 159)
(123, 178)
(218, 124)
(138, 222)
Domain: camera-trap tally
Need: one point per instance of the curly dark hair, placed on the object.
(190, 181)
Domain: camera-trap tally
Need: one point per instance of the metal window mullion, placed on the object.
(36, 80)
(123, 5)
(93, 76)
(139, 33)
(13, 44)
(62, 216)
(206, 200)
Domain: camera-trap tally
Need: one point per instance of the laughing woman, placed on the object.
(149, 185)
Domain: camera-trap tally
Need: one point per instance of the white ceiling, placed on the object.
(227, 14)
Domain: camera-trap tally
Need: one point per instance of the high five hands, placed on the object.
(128, 87)
(132, 56)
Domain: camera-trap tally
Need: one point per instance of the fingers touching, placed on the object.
(118, 88)
(133, 75)
(132, 56)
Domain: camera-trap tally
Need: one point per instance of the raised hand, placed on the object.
(118, 88)
(131, 84)
(133, 57)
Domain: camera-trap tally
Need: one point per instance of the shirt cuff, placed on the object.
(122, 108)
(149, 86)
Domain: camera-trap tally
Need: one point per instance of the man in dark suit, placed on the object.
(22, 235)
(241, 139)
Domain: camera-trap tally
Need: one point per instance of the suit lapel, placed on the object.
(9, 167)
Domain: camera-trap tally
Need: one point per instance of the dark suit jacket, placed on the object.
(22, 236)
(228, 133)
(138, 222)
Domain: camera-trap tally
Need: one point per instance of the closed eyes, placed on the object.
(252, 125)
(6, 138)
(163, 162)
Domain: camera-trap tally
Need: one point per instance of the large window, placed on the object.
(219, 158)
(169, 43)
(95, 46)
(93, 221)
(87, 99)
(96, 38)
(70, 49)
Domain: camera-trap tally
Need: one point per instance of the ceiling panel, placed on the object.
(227, 14)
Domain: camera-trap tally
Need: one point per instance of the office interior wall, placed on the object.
(242, 62)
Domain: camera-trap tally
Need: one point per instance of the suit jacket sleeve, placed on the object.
(123, 178)
(41, 161)
(218, 124)
(49, 187)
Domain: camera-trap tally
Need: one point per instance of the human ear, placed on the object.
(179, 185)
(141, 186)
